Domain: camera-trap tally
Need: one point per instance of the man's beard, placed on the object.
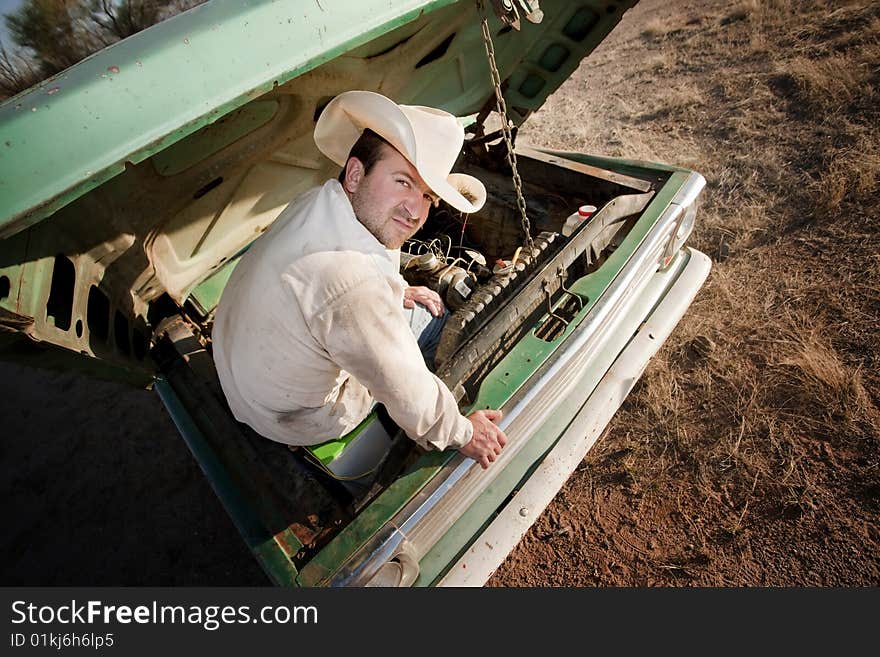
(384, 228)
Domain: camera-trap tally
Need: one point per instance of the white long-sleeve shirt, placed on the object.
(310, 330)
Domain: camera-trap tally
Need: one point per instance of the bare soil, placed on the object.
(748, 453)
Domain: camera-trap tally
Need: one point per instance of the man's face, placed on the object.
(392, 200)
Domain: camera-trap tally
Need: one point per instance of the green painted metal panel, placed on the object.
(198, 146)
(520, 56)
(207, 293)
(275, 563)
(127, 102)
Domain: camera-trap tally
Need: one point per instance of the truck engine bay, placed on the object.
(495, 288)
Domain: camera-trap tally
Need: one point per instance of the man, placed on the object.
(310, 331)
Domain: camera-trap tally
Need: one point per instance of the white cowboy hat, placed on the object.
(431, 139)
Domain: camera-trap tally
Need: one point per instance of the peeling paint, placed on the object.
(53, 90)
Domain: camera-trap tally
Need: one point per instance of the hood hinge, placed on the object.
(507, 11)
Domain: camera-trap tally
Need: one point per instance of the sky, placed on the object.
(7, 6)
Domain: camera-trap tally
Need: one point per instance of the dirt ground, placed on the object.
(748, 453)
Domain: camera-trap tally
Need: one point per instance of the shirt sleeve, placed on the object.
(366, 334)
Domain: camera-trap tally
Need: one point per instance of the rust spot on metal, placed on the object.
(53, 90)
(113, 69)
(282, 541)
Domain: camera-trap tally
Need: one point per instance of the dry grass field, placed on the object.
(748, 454)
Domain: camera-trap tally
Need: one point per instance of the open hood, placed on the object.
(138, 174)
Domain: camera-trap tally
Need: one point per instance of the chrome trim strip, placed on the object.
(549, 384)
(691, 189)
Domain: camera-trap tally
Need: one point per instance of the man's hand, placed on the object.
(488, 440)
(427, 297)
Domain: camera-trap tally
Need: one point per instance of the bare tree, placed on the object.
(122, 19)
(59, 32)
(17, 72)
(52, 35)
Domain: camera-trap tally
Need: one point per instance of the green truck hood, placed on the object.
(130, 101)
(130, 182)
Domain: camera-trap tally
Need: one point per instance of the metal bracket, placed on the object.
(531, 10)
(507, 12)
(548, 290)
(562, 275)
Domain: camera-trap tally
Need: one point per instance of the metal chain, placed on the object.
(505, 129)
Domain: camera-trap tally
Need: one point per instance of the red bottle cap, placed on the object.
(586, 210)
